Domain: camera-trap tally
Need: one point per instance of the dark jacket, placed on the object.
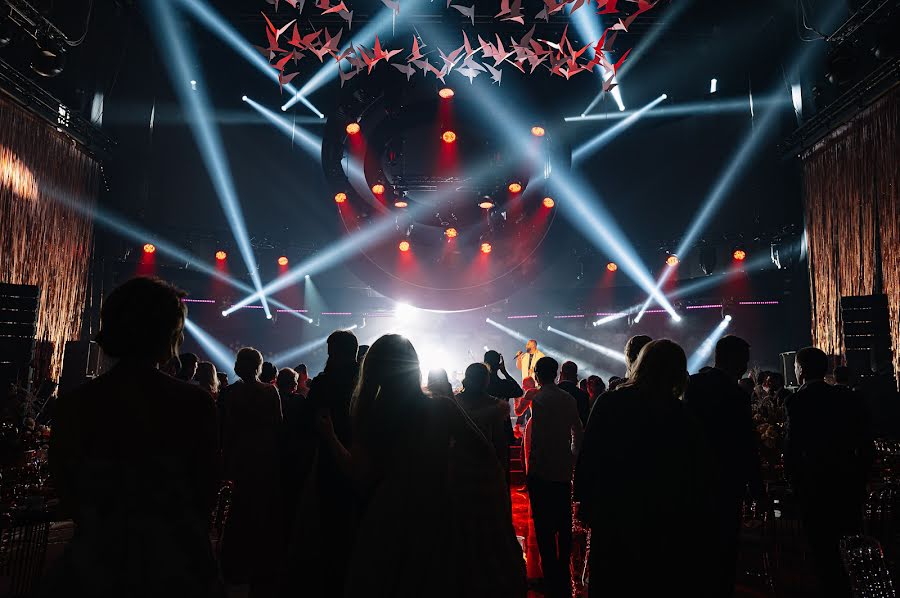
(582, 399)
(504, 388)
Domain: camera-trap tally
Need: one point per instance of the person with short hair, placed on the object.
(568, 381)
(156, 488)
(286, 383)
(268, 373)
(187, 369)
(302, 379)
(556, 432)
(527, 360)
(595, 387)
(505, 388)
(827, 455)
(490, 414)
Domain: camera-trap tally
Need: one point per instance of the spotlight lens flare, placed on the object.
(515, 187)
(378, 189)
(403, 246)
(486, 205)
(446, 93)
(340, 197)
(537, 131)
(149, 248)
(283, 261)
(672, 261)
(221, 255)
(739, 255)
(548, 202)
(486, 248)
(352, 129)
(400, 204)
(448, 136)
(451, 233)
(612, 267)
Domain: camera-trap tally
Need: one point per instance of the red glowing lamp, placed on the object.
(400, 204)
(537, 131)
(486, 205)
(672, 261)
(612, 266)
(149, 248)
(446, 93)
(486, 248)
(448, 136)
(377, 188)
(221, 255)
(548, 202)
(340, 197)
(403, 246)
(352, 129)
(739, 255)
(283, 261)
(514, 187)
(451, 233)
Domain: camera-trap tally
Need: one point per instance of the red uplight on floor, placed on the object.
(283, 261)
(739, 255)
(448, 136)
(400, 204)
(451, 233)
(377, 188)
(149, 248)
(612, 266)
(446, 93)
(221, 255)
(537, 131)
(672, 261)
(352, 128)
(403, 246)
(514, 187)
(486, 248)
(340, 197)
(548, 202)
(486, 205)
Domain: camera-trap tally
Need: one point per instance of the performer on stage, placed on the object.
(526, 361)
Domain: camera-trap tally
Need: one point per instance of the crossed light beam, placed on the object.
(174, 47)
(606, 351)
(215, 23)
(588, 26)
(292, 354)
(219, 353)
(689, 109)
(309, 142)
(592, 145)
(699, 357)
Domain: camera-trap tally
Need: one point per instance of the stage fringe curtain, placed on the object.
(852, 207)
(43, 242)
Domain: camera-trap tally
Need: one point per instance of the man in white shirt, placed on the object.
(526, 361)
(556, 433)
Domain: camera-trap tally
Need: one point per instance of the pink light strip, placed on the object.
(710, 306)
(758, 302)
(291, 311)
(199, 300)
(521, 317)
(336, 313)
(566, 317)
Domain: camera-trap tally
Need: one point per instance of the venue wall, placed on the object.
(852, 204)
(44, 241)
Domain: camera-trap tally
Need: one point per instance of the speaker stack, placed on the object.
(19, 306)
(867, 334)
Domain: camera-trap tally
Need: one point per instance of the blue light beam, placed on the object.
(218, 353)
(698, 359)
(309, 142)
(592, 145)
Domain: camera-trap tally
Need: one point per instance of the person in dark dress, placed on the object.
(723, 410)
(568, 381)
(641, 481)
(827, 455)
(134, 459)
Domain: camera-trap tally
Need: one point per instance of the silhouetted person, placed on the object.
(187, 369)
(250, 452)
(298, 443)
(490, 414)
(723, 410)
(439, 383)
(223, 380)
(568, 381)
(207, 378)
(843, 376)
(268, 373)
(141, 500)
(555, 439)
(640, 481)
(827, 455)
(504, 388)
(632, 350)
(595, 387)
(302, 379)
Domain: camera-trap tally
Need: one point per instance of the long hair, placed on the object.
(389, 387)
(439, 383)
(661, 368)
(207, 377)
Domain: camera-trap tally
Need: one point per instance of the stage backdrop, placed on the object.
(42, 241)
(852, 203)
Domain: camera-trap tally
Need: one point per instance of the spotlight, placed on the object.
(48, 62)
(446, 93)
(713, 86)
(451, 233)
(193, 85)
(486, 248)
(340, 197)
(352, 129)
(377, 188)
(306, 277)
(727, 317)
(514, 187)
(486, 205)
(221, 255)
(243, 98)
(672, 261)
(548, 202)
(149, 248)
(739, 255)
(448, 136)
(283, 261)
(400, 204)
(612, 267)
(537, 131)
(403, 246)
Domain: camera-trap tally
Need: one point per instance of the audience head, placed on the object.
(302, 374)
(439, 383)
(660, 368)
(595, 386)
(732, 355)
(545, 370)
(529, 383)
(223, 379)
(286, 381)
(615, 381)
(207, 377)
(568, 371)
(342, 348)
(582, 384)
(248, 364)
(188, 369)
(842, 375)
(477, 377)
(361, 353)
(268, 372)
(531, 346)
(810, 364)
(171, 367)
(774, 382)
(633, 349)
(492, 359)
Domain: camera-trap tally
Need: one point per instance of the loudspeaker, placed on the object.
(867, 334)
(18, 323)
(80, 363)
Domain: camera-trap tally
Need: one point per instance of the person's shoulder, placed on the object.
(184, 391)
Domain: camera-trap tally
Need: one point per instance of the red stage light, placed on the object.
(672, 261)
(548, 202)
(739, 255)
(446, 93)
(451, 233)
(486, 205)
(448, 136)
(514, 187)
(149, 248)
(403, 246)
(282, 261)
(400, 204)
(486, 248)
(612, 266)
(537, 131)
(221, 255)
(352, 128)
(340, 197)
(377, 188)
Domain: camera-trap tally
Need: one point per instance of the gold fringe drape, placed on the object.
(852, 207)
(43, 242)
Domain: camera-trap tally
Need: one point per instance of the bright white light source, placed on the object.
(617, 96)
(405, 312)
(713, 85)
(193, 85)
(797, 99)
